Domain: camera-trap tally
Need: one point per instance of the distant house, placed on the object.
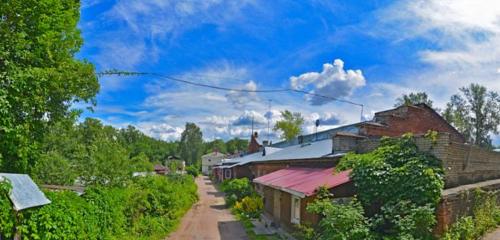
(160, 169)
(209, 160)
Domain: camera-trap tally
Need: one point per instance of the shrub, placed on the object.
(398, 184)
(236, 189)
(7, 218)
(193, 170)
(249, 206)
(149, 207)
(338, 221)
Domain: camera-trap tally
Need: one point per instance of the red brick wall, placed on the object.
(414, 119)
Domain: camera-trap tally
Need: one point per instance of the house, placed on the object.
(209, 160)
(160, 169)
(287, 192)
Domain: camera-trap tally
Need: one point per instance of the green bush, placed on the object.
(250, 207)
(236, 189)
(148, 208)
(399, 186)
(193, 170)
(338, 221)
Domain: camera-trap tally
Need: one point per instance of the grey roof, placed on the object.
(25, 193)
(317, 149)
(322, 135)
(253, 156)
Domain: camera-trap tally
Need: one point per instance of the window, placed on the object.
(295, 210)
(227, 173)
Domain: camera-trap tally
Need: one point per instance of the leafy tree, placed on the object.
(236, 145)
(191, 145)
(53, 168)
(141, 163)
(290, 124)
(413, 99)
(216, 145)
(39, 75)
(475, 113)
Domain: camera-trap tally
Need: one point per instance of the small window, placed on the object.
(295, 210)
(227, 173)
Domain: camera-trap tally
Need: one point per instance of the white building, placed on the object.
(209, 160)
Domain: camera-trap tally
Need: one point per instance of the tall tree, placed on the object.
(40, 78)
(290, 124)
(412, 99)
(236, 145)
(191, 145)
(475, 113)
(216, 145)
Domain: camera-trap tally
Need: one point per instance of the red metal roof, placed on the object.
(303, 181)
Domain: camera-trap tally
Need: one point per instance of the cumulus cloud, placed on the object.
(241, 99)
(159, 130)
(466, 36)
(248, 117)
(332, 81)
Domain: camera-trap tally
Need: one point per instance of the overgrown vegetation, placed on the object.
(485, 217)
(236, 189)
(148, 208)
(398, 188)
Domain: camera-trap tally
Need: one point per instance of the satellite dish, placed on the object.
(317, 122)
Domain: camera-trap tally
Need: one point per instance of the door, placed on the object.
(277, 204)
(295, 210)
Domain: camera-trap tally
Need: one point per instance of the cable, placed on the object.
(175, 79)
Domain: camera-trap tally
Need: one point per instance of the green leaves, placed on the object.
(290, 124)
(398, 184)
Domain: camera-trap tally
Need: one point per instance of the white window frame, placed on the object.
(295, 203)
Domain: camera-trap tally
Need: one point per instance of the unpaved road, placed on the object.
(209, 218)
(495, 235)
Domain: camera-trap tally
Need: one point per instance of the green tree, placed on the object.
(475, 113)
(290, 124)
(413, 99)
(40, 78)
(53, 168)
(141, 163)
(191, 145)
(236, 145)
(216, 145)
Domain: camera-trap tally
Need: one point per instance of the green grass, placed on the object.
(247, 224)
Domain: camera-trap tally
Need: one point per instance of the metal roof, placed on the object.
(25, 193)
(303, 151)
(254, 156)
(303, 182)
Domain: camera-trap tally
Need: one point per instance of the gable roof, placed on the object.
(303, 182)
(310, 150)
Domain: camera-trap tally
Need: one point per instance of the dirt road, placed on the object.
(209, 218)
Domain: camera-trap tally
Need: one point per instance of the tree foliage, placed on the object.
(191, 144)
(290, 124)
(475, 113)
(399, 186)
(236, 145)
(413, 99)
(39, 76)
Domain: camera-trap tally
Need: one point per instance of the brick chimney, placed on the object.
(254, 144)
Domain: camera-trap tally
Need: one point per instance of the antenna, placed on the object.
(316, 128)
(251, 134)
(269, 121)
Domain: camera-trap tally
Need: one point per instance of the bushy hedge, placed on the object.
(149, 208)
(236, 189)
(249, 206)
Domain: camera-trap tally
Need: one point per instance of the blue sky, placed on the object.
(369, 52)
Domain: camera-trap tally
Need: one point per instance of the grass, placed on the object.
(247, 224)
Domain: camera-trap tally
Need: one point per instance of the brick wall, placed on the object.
(415, 119)
(463, 163)
(458, 202)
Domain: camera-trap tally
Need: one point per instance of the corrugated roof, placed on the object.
(303, 182)
(253, 157)
(25, 193)
(303, 151)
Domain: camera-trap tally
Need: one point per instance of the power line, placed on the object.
(176, 79)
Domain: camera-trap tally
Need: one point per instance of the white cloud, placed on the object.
(465, 34)
(332, 81)
(160, 130)
(241, 99)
